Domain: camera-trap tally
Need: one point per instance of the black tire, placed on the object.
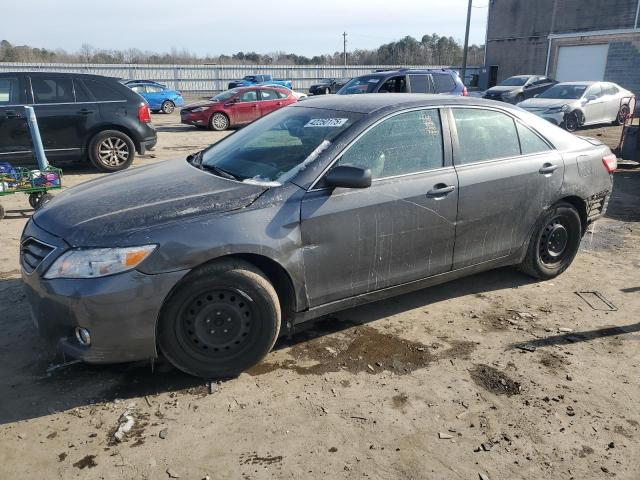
(221, 320)
(554, 243)
(519, 98)
(571, 121)
(111, 151)
(34, 198)
(43, 200)
(218, 122)
(168, 107)
(623, 113)
(2, 212)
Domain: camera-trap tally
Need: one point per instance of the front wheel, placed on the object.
(571, 122)
(218, 122)
(222, 319)
(168, 106)
(111, 151)
(554, 244)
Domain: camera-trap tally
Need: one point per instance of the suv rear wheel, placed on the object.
(221, 320)
(111, 151)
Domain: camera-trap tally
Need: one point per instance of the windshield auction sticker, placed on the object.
(326, 122)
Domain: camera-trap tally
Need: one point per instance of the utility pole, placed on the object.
(344, 47)
(466, 42)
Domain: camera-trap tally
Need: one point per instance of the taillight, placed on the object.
(610, 162)
(465, 92)
(144, 114)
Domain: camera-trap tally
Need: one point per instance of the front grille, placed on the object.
(32, 253)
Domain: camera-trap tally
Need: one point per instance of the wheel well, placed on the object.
(581, 206)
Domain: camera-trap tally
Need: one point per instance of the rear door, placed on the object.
(60, 119)
(399, 229)
(508, 174)
(15, 140)
(269, 101)
(420, 83)
(247, 108)
(594, 109)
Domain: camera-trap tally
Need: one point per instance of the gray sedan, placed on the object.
(320, 206)
(576, 104)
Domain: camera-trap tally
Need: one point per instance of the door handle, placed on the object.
(11, 114)
(548, 168)
(85, 111)
(440, 190)
(255, 106)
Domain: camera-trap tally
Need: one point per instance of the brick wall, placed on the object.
(623, 65)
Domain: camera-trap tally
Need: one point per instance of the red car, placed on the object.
(235, 107)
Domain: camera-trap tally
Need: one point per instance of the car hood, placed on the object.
(497, 89)
(544, 103)
(104, 211)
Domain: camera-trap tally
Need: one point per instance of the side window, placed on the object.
(154, 89)
(394, 85)
(610, 89)
(484, 135)
(419, 83)
(281, 94)
(443, 83)
(52, 89)
(406, 143)
(81, 93)
(139, 88)
(101, 91)
(595, 91)
(250, 96)
(9, 91)
(268, 95)
(530, 143)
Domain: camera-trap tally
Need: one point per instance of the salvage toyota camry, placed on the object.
(323, 205)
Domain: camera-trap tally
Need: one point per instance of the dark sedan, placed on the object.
(322, 205)
(327, 86)
(519, 88)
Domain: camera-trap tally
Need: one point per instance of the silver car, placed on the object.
(572, 105)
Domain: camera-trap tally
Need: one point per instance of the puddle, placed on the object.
(494, 380)
(362, 349)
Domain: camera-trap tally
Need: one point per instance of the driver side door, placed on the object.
(399, 229)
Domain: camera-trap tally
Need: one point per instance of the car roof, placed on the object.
(370, 102)
(408, 71)
(588, 83)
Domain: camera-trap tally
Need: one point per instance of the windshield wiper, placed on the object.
(219, 171)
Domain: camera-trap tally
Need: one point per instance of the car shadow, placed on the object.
(576, 337)
(624, 203)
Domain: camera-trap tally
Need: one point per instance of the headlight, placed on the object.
(98, 262)
(563, 108)
(198, 109)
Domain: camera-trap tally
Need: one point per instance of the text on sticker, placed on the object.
(326, 122)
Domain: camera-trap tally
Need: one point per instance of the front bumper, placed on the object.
(197, 118)
(120, 311)
(555, 118)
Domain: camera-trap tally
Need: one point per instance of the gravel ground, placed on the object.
(493, 374)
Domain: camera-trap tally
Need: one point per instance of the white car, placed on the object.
(298, 95)
(572, 105)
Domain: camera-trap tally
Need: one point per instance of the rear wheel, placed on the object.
(554, 244)
(223, 319)
(218, 122)
(168, 106)
(111, 151)
(623, 113)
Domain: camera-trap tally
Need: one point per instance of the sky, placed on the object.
(304, 27)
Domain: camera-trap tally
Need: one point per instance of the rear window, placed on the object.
(52, 90)
(443, 83)
(101, 91)
(9, 91)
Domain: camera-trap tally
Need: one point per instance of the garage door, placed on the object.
(582, 62)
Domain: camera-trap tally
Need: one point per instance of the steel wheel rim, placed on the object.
(219, 121)
(554, 242)
(217, 323)
(168, 107)
(113, 151)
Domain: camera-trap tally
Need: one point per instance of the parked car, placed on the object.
(576, 104)
(160, 99)
(407, 81)
(327, 86)
(519, 88)
(80, 117)
(143, 82)
(298, 95)
(326, 204)
(249, 80)
(236, 107)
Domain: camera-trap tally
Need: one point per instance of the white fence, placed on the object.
(194, 78)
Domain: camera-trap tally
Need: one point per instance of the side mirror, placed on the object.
(346, 176)
(591, 98)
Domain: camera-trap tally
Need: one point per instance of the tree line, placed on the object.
(429, 50)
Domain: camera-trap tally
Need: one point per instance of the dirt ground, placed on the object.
(494, 374)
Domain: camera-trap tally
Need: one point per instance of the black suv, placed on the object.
(407, 80)
(80, 117)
